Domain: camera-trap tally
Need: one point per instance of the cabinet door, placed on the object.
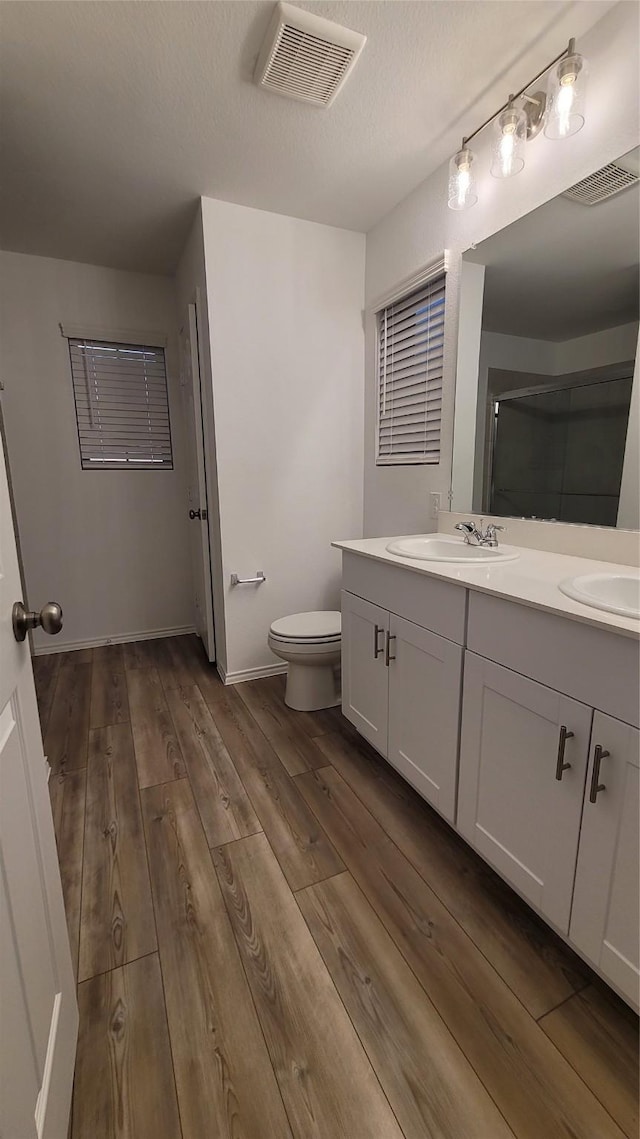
(424, 711)
(604, 917)
(365, 684)
(512, 807)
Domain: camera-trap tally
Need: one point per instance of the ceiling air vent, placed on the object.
(306, 57)
(603, 184)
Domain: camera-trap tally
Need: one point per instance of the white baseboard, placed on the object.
(250, 673)
(56, 646)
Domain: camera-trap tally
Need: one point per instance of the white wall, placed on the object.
(629, 507)
(555, 357)
(191, 288)
(468, 379)
(608, 346)
(110, 546)
(285, 314)
(417, 231)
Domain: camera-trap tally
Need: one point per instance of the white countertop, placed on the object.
(531, 580)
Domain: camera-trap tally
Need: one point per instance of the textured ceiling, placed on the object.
(581, 278)
(117, 116)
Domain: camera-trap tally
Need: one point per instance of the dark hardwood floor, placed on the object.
(275, 938)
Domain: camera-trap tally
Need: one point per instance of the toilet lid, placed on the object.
(301, 626)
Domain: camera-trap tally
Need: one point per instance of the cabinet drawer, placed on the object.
(433, 604)
(591, 665)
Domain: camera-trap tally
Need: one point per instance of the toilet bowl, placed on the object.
(310, 643)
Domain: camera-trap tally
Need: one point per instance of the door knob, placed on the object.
(194, 514)
(49, 619)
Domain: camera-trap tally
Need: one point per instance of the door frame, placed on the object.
(194, 324)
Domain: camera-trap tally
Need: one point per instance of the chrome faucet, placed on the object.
(488, 537)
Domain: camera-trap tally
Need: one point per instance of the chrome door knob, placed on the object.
(49, 619)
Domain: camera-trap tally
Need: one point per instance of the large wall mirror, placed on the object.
(548, 337)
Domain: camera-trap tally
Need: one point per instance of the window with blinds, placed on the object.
(122, 406)
(410, 355)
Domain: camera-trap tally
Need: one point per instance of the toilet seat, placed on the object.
(318, 628)
(306, 640)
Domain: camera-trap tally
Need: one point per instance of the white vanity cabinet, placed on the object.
(401, 690)
(569, 845)
(553, 830)
(523, 761)
(604, 917)
(521, 727)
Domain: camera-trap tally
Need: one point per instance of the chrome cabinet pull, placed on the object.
(561, 765)
(596, 786)
(387, 656)
(378, 649)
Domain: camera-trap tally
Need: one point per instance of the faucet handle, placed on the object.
(490, 536)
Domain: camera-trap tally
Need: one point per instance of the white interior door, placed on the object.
(38, 1010)
(197, 485)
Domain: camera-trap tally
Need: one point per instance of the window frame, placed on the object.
(403, 292)
(76, 339)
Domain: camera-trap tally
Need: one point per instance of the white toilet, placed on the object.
(310, 643)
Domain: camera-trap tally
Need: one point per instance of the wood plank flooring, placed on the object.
(275, 938)
(116, 923)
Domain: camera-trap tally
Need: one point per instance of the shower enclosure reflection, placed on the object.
(558, 451)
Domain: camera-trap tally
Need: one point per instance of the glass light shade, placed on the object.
(462, 182)
(566, 97)
(510, 133)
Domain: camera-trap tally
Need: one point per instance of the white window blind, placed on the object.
(122, 406)
(410, 355)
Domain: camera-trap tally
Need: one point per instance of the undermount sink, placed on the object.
(441, 548)
(613, 592)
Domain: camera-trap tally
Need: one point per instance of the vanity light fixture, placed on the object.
(565, 97)
(510, 137)
(462, 182)
(560, 111)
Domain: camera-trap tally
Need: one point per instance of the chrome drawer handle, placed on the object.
(596, 786)
(561, 765)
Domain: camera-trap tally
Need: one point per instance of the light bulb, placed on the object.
(566, 99)
(462, 183)
(510, 135)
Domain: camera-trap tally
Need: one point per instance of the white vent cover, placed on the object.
(610, 180)
(306, 57)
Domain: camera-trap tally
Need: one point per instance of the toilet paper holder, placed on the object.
(257, 580)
